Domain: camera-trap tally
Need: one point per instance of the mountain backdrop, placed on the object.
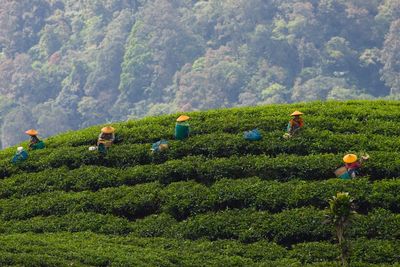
(68, 64)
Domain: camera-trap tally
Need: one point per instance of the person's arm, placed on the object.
(301, 123)
(290, 126)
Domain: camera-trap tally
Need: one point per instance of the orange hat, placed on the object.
(108, 129)
(32, 132)
(182, 118)
(296, 113)
(350, 158)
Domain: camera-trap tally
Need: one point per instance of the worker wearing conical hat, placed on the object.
(352, 163)
(182, 127)
(34, 142)
(295, 123)
(107, 136)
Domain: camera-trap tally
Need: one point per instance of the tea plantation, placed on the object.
(214, 199)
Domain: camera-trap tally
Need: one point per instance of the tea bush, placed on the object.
(213, 199)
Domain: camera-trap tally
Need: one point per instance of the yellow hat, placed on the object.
(296, 113)
(350, 158)
(32, 132)
(182, 118)
(107, 129)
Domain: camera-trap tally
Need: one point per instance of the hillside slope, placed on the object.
(211, 200)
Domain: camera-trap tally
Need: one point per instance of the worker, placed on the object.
(295, 124)
(106, 138)
(182, 127)
(34, 142)
(352, 164)
(159, 146)
(20, 155)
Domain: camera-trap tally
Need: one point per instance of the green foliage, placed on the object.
(340, 208)
(211, 200)
(340, 214)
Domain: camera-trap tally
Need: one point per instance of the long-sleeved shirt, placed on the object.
(296, 123)
(108, 137)
(354, 165)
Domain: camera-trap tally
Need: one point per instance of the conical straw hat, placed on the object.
(296, 113)
(108, 129)
(182, 118)
(31, 132)
(350, 158)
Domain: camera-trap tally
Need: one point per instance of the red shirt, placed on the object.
(353, 165)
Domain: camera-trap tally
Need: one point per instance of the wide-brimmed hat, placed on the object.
(20, 148)
(350, 158)
(182, 118)
(296, 113)
(108, 129)
(32, 132)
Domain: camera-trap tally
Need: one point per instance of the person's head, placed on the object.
(106, 135)
(20, 149)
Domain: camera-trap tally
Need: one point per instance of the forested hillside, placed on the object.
(214, 199)
(67, 64)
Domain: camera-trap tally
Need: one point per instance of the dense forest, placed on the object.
(67, 64)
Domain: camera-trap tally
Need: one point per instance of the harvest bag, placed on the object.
(181, 131)
(253, 135)
(342, 173)
(159, 146)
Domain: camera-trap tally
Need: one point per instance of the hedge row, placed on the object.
(183, 199)
(88, 249)
(211, 145)
(361, 250)
(128, 202)
(203, 170)
(145, 133)
(378, 223)
(286, 228)
(342, 118)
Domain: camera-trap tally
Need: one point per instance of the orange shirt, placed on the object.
(297, 123)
